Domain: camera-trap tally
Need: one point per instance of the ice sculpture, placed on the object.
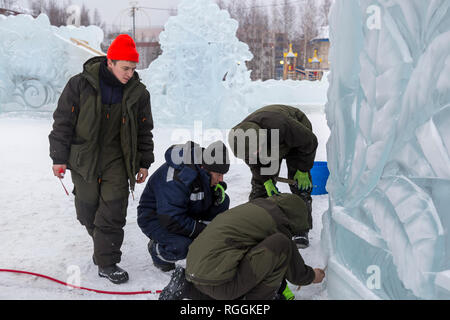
(37, 60)
(201, 74)
(387, 229)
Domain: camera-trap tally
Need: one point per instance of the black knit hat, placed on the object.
(215, 158)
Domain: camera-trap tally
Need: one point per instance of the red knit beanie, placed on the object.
(123, 48)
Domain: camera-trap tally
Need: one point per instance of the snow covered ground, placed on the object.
(39, 231)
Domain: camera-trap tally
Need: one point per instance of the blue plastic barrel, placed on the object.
(320, 174)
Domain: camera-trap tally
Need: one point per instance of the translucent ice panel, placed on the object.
(37, 60)
(389, 158)
(201, 74)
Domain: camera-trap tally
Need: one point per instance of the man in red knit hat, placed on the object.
(102, 133)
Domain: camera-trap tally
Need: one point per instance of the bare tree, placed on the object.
(309, 23)
(289, 19)
(221, 4)
(56, 13)
(325, 11)
(276, 21)
(97, 20)
(85, 19)
(8, 4)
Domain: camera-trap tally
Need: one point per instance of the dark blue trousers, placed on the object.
(171, 247)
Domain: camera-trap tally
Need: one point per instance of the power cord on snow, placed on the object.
(76, 287)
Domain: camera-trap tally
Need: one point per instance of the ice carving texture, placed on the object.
(37, 60)
(201, 74)
(389, 151)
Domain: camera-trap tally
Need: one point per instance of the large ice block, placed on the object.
(201, 74)
(37, 59)
(389, 156)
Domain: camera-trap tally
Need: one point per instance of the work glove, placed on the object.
(287, 294)
(270, 188)
(219, 193)
(303, 182)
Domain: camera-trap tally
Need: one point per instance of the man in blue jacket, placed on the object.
(183, 193)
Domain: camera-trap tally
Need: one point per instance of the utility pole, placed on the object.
(134, 7)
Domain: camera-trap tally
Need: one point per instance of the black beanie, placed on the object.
(215, 158)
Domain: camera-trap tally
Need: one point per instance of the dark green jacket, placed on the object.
(297, 142)
(75, 138)
(215, 254)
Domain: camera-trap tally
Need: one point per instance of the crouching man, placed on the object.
(280, 132)
(246, 252)
(186, 191)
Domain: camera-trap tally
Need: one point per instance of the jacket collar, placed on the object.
(91, 71)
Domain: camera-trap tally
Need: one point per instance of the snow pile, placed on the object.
(290, 92)
(38, 59)
(40, 232)
(389, 151)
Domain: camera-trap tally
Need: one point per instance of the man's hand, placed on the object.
(270, 188)
(142, 175)
(302, 179)
(59, 170)
(319, 275)
(219, 193)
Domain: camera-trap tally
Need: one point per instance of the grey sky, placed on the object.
(115, 12)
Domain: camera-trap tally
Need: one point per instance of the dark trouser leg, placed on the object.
(169, 247)
(111, 214)
(260, 273)
(101, 208)
(86, 201)
(108, 233)
(305, 195)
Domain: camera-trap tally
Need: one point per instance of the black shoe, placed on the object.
(161, 265)
(175, 290)
(113, 273)
(302, 241)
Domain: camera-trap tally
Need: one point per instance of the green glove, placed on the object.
(219, 193)
(287, 293)
(303, 181)
(270, 188)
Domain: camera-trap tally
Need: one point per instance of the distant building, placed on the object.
(320, 44)
(309, 67)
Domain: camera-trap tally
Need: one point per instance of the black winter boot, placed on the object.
(176, 288)
(113, 273)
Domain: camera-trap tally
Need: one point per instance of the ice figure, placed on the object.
(37, 60)
(387, 228)
(201, 74)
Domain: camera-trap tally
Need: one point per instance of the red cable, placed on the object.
(76, 287)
